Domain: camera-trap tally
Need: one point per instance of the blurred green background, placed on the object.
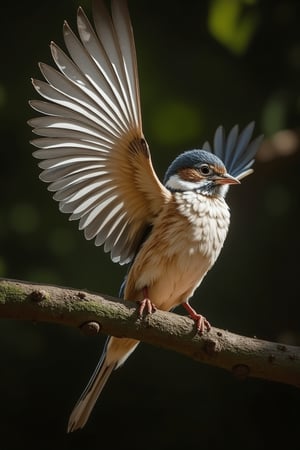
(201, 64)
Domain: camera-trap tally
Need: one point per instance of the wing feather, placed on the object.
(89, 140)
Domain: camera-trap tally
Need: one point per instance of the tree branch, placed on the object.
(92, 313)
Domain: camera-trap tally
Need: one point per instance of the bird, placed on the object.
(97, 163)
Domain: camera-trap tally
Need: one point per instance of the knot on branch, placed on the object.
(241, 371)
(38, 295)
(90, 328)
(211, 347)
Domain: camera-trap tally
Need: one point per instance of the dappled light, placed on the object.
(233, 23)
(281, 143)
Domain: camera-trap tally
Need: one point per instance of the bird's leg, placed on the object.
(146, 304)
(201, 323)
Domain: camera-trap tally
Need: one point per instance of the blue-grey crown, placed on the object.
(235, 151)
(192, 158)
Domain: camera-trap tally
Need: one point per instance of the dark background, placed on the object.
(201, 63)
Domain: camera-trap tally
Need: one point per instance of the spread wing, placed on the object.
(236, 150)
(94, 155)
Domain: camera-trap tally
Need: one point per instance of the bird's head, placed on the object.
(199, 171)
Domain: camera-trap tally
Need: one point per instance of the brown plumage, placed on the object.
(97, 162)
(184, 243)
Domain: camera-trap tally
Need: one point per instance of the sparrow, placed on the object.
(97, 162)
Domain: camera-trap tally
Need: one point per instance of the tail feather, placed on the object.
(115, 353)
(86, 403)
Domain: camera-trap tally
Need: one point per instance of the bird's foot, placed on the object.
(202, 324)
(146, 305)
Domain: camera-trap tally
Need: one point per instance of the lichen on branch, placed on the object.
(97, 313)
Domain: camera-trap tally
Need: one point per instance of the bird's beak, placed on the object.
(226, 179)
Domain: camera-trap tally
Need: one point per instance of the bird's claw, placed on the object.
(147, 306)
(202, 324)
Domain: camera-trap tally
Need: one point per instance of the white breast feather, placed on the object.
(182, 247)
(209, 218)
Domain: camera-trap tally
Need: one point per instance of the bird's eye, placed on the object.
(205, 169)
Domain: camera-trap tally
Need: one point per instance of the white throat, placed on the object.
(175, 183)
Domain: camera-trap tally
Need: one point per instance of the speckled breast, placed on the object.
(209, 218)
(184, 243)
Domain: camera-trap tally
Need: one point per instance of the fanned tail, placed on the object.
(236, 150)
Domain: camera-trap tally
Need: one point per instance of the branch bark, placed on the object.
(94, 313)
